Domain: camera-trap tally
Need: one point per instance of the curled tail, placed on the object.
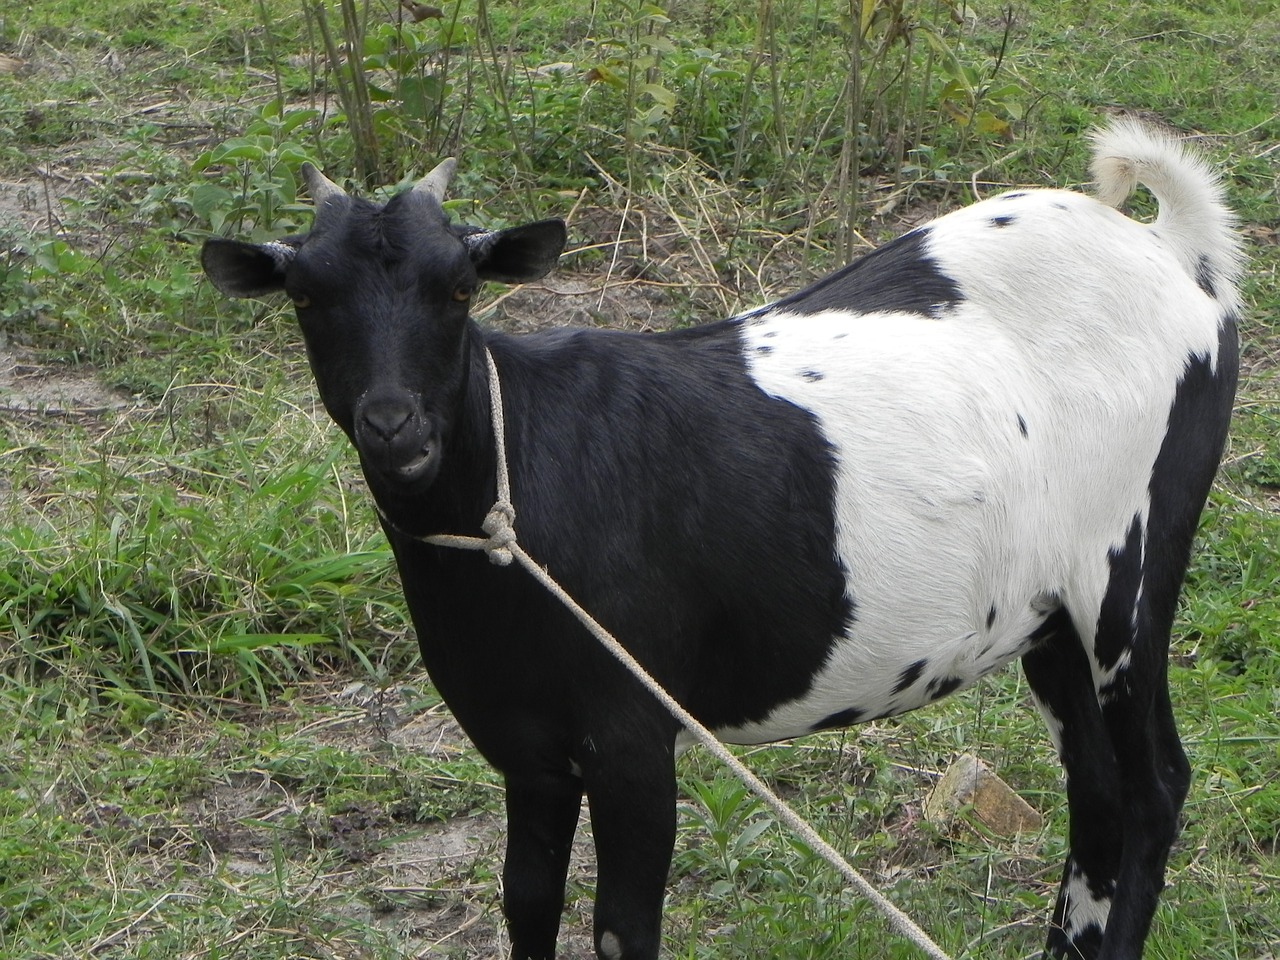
(1193, 217)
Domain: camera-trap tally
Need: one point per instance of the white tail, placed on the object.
(1193, 218)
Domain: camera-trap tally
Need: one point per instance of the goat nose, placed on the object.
(387, 419)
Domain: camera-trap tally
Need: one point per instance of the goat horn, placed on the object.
(433, 185)
(320, 187)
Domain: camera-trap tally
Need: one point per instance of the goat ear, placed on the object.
(517, 254)
(240, 269)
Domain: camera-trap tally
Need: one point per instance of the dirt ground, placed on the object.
(30, 386)
(445, 857)
(433, 882)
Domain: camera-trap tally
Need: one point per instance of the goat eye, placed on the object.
(462, 294)
(301, 301)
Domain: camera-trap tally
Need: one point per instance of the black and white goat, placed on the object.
(990, 439)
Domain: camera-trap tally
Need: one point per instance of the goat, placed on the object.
(989, 439)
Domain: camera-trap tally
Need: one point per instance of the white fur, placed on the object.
(281, 253)
(1076, 319)
(1129, 152)
(1083, 910)
(610, 946)
(1052, 723)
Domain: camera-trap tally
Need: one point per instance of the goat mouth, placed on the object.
(415, 467)
(395, 469)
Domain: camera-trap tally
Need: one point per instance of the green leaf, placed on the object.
(1003, 93)
(236, 150)
(864, 19)
(421, 95)
(207, 198)
(57, 257)
(984, 121)
(296, 118)
(653, 14)
(603, 74)
(240, 642)
(660, 94)
(954, 92)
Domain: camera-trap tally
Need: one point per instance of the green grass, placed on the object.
(192, 584)
(177, 834)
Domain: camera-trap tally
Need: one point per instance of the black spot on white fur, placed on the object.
(1056, 623)
(842, 718)
(1205, 278)
(909, 676)
(1123, 584)
(943, 687)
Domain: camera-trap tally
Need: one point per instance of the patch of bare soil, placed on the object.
(38, 398)
(435, 905)
(439, 901)
(434, 886)
(25, 204)
(28, 386)
(436, 881)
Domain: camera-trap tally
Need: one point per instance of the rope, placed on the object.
(499, 522)
(502, 547)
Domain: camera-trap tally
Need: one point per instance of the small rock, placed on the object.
(358, 691)
(969, 782)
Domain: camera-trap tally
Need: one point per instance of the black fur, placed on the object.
(944, 687)
(909, 676)
(900, 276)
(841, 718)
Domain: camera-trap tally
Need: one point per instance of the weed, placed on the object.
(256, 195)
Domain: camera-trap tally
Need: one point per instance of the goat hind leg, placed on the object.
(1154, 777)
(1062, 683)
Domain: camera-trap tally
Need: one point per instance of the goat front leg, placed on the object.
(542, 816)
(631, 791)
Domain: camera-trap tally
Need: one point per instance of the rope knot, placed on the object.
(499, 525)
